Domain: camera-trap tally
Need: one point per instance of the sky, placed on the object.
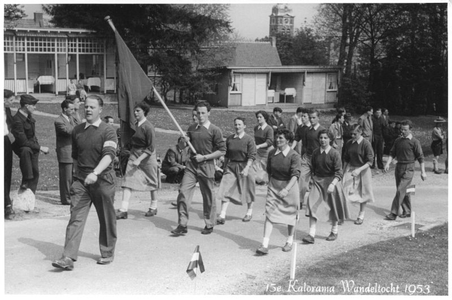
(249, 21)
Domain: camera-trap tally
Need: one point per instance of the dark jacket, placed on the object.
(23, 130)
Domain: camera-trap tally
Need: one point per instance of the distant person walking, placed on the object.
(365, 121)
(379, 130)
(438, 142)
(407, 149)
(8, 97)
(263, 138)
(336, 131)
(295, 121)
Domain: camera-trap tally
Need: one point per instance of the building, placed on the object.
(256, 77)
(40, 58)
(281, 20)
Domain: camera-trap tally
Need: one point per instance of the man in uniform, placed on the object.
(93, 150)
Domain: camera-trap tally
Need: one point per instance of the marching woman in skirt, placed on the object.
(438, 142)
(238, 183)
(326, 200)
(142, 173)
(283, 194)
(263, 137)
(357, 182)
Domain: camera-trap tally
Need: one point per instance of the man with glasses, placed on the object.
(26, 144)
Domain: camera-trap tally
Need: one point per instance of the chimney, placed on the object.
(38, 19)
(273, 41)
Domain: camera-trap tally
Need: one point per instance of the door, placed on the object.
(248, 90)
(261, 89)
(314, 89)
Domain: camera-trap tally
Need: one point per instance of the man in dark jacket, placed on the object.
(174, 163)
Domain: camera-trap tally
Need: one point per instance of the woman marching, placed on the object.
(326, 199)
(357, 182)
(263, 137)
(336, 130)
(238, 182)
(282, 203)
(438, 142)
(142, 173)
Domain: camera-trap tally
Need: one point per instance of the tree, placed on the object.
(13, 12)
(165, 36)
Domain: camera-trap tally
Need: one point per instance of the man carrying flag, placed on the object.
(406, 150)
(196, 264)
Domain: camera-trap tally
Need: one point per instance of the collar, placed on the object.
(23, 113)
(206, 125)
(95, 124)
(285, 152)
(308, 124)
(328, 148)
(141, 122)
(315, 127)
(240, 135)
(66, 117)
(359, 140)
(410, 136)
(262, 127)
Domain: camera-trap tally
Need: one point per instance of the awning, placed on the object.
(41, 34)
(287, 69)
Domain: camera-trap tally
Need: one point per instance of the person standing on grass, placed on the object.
(93, 150)
(357, 182)
(8, 97)
(282, 203)
(365, 121)
(26, 144)
(208, 143)
(238, 184)
(77, 118)
(263, 138)
(142, 172)
(326, 193)
(64, 125)
(406, 149)
(438, 142)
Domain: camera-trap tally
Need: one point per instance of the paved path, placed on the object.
(151, 261)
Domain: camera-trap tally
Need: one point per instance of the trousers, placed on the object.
(65, 172)
(8, 169)
(29, 166)
(403, 175)
(378, 146)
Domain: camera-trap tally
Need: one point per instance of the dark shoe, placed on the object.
(151, 212)
(446, 171)
(247, 218)
(438, 172)
(262, 250)
(121, 215)
(174, 203)
(405, 215)
(105, 260)
(64, 263)
(359, 221)
(221, 221)
(287, 247)
(9, 213)
(66, 203)
(179, 230)
(24, 186)
(308, 239)
(332, 237)
(207, 230)
(391, 217)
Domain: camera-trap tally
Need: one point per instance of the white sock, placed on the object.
(249, 212)
(153, 204)
(361, 215)
(265, 242)
(290, 239)
(334, 228)
(224, 207)
(124, 206)
(312, 225)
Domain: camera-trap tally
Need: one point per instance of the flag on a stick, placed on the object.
(411, 189)
(196, 264)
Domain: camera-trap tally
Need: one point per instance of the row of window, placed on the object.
(281, 20)
(52, 45)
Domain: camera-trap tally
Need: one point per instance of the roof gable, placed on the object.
(255, 55)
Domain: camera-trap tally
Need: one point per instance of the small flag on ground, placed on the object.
(196, 265)
(411, 189)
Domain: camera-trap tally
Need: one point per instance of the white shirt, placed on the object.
(359, 140)
(240, 135)
(410, 136)
(141, 122)
(316, 126)
(206, 125)
(284, 152)
(262, 127)
(95, 124)
(327, 150)
(66, 117)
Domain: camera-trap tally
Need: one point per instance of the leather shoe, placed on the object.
(391, 217)
(287, 247)
(105, 260)
(66, 203)
(359, 221)
(308, 239)
(332, 237)
(221, 221)
(207, 230)
(179, 230)
(151, 212)
(121, 215)
(405, 215)
(64, 263)
(262, 250)
(247, 218)
(9, 213)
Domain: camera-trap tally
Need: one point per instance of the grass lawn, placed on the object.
(416, 266)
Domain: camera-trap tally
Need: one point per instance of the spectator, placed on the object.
(379, 130)
(438, 142)
(263, 138)
(26, 144)
(109, 120)
(275, 120)
(336, 132)
(347, 129)
(295, 121)
(81, 93)
(301, 131)
(8, 97)
(365, 121)
(72, 87)
(175, 161)
(390, 137)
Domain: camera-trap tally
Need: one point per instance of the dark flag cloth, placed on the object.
(196, 265)
(411, 189)
(133, 87)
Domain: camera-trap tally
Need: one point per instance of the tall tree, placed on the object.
(13, 12)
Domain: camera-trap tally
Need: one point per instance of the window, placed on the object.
(236, 83)
(332, 82)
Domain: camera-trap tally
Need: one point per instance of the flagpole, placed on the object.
(293, 263)
(110, 22)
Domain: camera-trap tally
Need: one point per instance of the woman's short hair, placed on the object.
(241, 119)
(144, 106)
(338, 117)
(323, 131)
(7, 94)
(263, 113)
(407, 123)
(357, 127)
(288, 135)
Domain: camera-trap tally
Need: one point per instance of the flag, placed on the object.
(196, 265)
(133, 87)
(411, 189)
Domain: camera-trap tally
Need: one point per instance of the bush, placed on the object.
(353, 95)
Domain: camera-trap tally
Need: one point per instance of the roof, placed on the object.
(255, 55)
(29, 23)
(286, 69)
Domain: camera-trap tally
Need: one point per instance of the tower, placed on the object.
(281, 20)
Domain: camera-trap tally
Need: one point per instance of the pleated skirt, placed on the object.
(145, 177)
(358, 189)
(282, 210)
(235, 187)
